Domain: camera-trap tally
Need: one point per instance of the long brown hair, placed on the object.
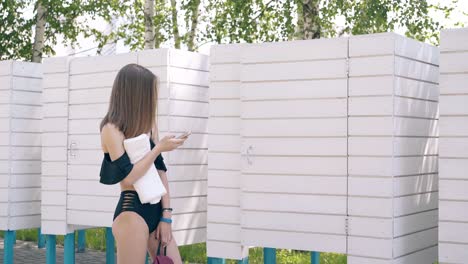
(133, 101)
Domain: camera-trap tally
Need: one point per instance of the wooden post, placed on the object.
(216, 260)
(50, 249)
(69, 249)
(269, 255)
(110, 252)
(81, 241)
(314, 257)
(40, 239)
(9, 241)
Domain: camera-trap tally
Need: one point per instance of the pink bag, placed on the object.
(160, 259)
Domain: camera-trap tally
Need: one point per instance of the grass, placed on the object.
(196, 253)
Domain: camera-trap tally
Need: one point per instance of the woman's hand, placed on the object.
(169, 142)
(164, 233)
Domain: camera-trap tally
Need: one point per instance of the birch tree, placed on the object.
(149, 27)
(38, 45)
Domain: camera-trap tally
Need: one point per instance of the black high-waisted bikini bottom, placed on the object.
(129, 201)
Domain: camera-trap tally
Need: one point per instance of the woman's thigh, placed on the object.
(172, 249)
(131, 236)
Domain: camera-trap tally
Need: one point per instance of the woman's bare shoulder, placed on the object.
(110, 135)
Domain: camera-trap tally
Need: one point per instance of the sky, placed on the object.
(88, 46)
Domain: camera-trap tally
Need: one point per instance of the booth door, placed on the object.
(294, 145)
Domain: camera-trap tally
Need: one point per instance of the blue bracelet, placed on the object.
(167, 220)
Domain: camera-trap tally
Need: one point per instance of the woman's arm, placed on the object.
(165, 200)
(113, 140)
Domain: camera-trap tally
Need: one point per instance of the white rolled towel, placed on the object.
(149, 187)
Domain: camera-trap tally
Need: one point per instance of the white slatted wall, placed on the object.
(393, 185)
(224, 165)
(20, 144)
(54, 146)
(453, 214)
(330, 160)
(294, 127)
(182, 105)
(186, 108)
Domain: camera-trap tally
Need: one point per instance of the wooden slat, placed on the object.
(81, 65)
(294, 203)
(453, 83)
(300, 70)
(325, 224)
(225, 54)
(383, 166)
(297, 165)
(325, 185)
(285, 51)
(330, 127)
(409, 224)
(414, 242)
(332, 88)
(187, 59)
(387, 146)
(454, 39)
(454, 62)
(401, 126)
(382, 65)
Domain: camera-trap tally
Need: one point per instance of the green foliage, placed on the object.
(249, 21)
(259, 21)
(218, 21)
(66, 18)
(131, 28)
(375, 16)
(15, 30)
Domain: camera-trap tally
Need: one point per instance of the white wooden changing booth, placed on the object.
(338, 148)
(20, 144)
(392, 148)
(453, 203)
(77, 93)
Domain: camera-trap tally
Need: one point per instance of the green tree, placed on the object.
(15, 30)
(32, 38)
(251, 20)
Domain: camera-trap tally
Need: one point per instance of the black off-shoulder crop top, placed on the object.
(115, 171)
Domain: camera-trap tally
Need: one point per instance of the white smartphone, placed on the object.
(185, 134)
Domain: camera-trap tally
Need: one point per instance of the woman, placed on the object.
(132, 111)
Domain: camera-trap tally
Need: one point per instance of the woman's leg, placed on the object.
(131, 236)
(172, 249)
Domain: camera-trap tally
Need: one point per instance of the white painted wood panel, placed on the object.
(81, 87)
(224, 165)
(20, 144)
(293, 130)
(392, 142)
(453, 142)
(392, 148)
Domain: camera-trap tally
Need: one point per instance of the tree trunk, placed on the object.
(157, 28)
(38, 45)
(193, 30)
(175, 25)
(149, 28)
(311, 19)
(299, 30)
